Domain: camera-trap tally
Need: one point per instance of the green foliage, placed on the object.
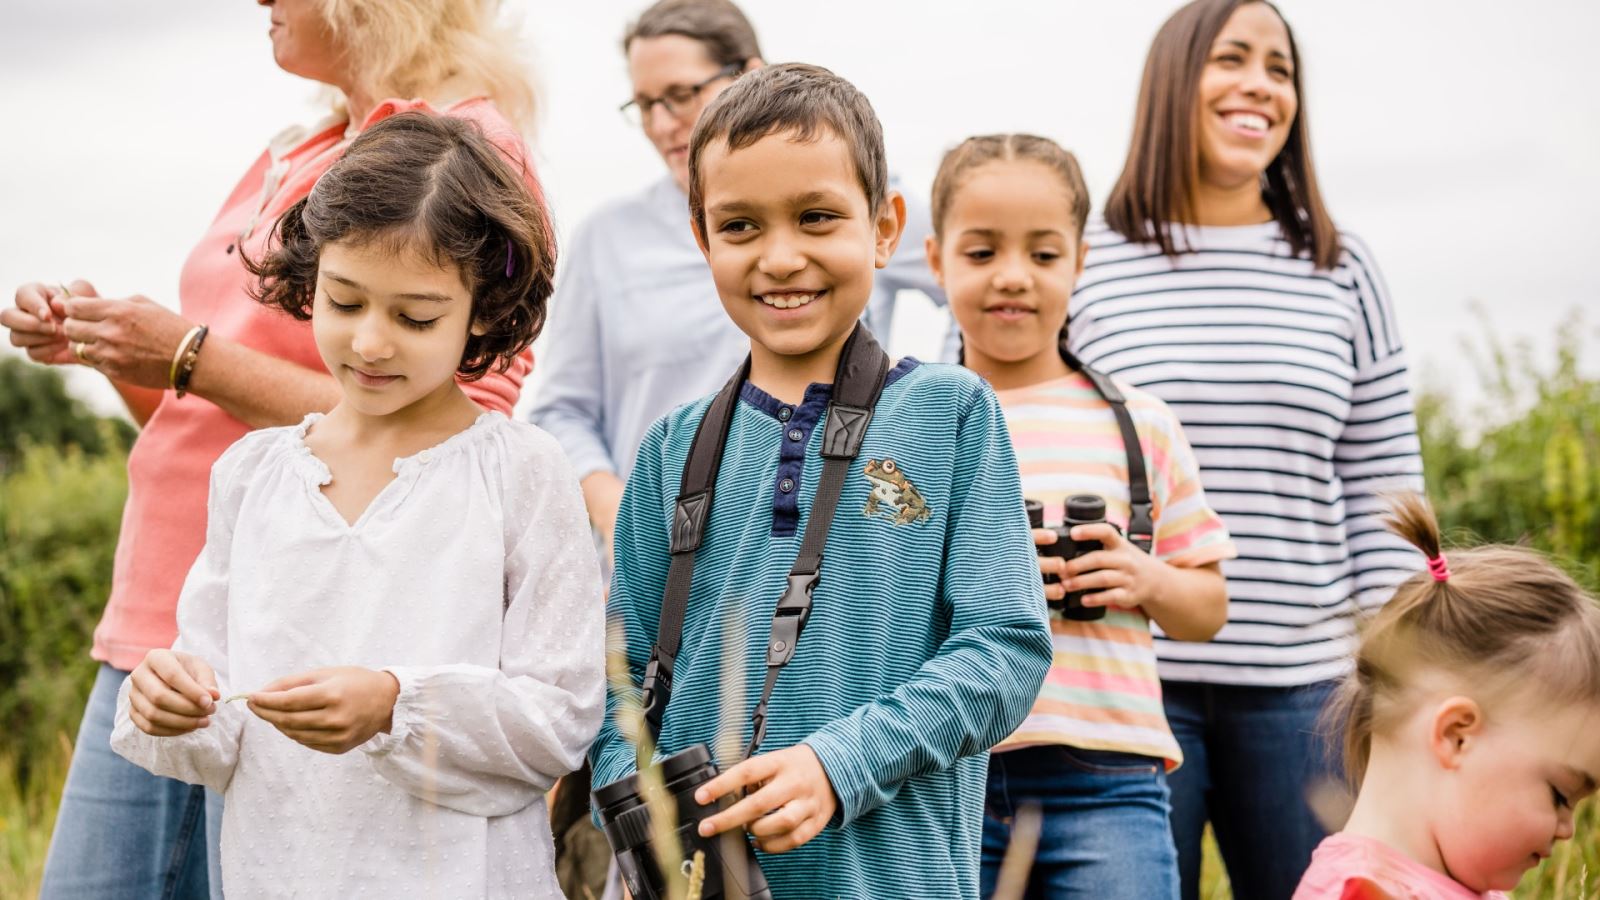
(60, 510)
(1524, 466)
(36, 409)
(27, 817)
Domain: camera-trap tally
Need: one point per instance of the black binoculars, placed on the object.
(1081, 509)
(730, 866)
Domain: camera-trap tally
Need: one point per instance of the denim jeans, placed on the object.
(1251, 755)
(1103, 833)
(122, 832)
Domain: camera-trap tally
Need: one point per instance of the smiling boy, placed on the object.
(926, 641)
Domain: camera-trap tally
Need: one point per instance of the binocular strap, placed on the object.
(857, 385)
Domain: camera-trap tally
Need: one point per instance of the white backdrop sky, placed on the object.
(1460, 139)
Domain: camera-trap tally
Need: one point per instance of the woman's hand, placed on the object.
(130, 340)
(35, 325)
(172, 693)
(331, 710)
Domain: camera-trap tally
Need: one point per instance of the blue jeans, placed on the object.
(1103, 831)
(1250, 757)
(122, 832)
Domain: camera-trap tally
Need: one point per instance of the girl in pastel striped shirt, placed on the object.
(1008, 216)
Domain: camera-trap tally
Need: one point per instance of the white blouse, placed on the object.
(472, 578)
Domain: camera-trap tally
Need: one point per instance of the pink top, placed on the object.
(169, 467)
(1352, 867)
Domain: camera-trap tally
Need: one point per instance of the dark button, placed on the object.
(784, 413)
(786, 485)
(230, 250)
(796, 434)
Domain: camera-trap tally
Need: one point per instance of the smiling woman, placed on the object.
(1219, 283)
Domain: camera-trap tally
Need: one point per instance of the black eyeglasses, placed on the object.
(678, 100)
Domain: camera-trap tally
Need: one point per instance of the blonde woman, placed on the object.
(199, 378)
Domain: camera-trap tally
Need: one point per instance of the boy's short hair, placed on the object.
(793, 97)
(718, 25)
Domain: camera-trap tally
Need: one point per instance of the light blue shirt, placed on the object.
(636, 327)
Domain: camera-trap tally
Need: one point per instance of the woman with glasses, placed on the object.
(636, 327)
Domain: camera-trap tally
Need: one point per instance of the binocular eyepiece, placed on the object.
(1081, 509)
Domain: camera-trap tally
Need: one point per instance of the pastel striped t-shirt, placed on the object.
(1102, 691)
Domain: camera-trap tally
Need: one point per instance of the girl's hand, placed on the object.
(790, 805)
(36, 327)
(172, 693)
(1121, 574)
(331, 710)
(1051, 565)
(130, 340)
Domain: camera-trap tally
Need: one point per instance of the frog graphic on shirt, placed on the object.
(891, 488)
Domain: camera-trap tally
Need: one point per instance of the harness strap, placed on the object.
(858, 383)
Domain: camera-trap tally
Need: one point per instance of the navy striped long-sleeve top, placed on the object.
(1291, 384)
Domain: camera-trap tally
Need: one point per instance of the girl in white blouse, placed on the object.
(407, 576)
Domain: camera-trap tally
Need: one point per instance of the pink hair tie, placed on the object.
(1439, 568)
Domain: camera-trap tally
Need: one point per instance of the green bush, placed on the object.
(1524, 465)
(60, 510)
(35, 409)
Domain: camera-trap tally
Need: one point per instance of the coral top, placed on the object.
(1352, 867)
(164, 522)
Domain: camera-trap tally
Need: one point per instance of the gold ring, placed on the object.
(77, 350)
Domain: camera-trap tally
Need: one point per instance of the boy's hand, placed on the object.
(331, 710)
(172, 693)
(790, 805)
(1121, 574)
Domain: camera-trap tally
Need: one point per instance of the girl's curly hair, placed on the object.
(434, 184)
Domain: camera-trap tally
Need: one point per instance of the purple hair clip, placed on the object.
(511, 259)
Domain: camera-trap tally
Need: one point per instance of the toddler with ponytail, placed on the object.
(1472, 725)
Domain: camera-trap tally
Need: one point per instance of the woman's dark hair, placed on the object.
(720, 26)
(435, 185)
(1157, 187)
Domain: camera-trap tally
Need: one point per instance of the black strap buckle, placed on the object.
(789, 618)
(1141, 526)
(656, 689)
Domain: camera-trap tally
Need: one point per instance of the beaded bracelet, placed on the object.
(187, 360)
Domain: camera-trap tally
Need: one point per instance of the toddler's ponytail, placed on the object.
(1492, 615)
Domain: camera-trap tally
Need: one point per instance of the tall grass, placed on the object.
(27, 816)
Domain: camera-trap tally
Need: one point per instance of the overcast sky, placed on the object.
(1460, 140)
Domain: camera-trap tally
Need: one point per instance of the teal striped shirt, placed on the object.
(927, 641)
